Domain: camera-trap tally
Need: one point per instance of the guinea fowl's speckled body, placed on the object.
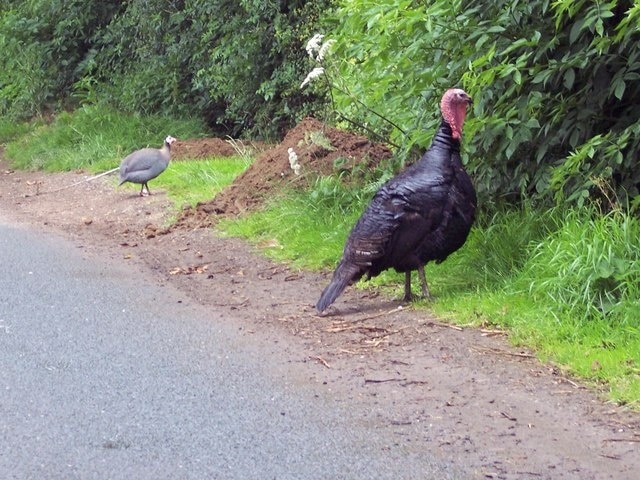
(423, 214)
(146, 164)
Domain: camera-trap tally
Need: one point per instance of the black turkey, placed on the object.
(423, 214)
(146, 164)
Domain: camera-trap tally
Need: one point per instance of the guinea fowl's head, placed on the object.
(454, 109)
(169, 141)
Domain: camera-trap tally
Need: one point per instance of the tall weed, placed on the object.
(497, 248)
(589, 268)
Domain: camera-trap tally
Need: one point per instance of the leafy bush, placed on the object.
(45, 44)
(234, 64)
(555, 85)
(253, 60)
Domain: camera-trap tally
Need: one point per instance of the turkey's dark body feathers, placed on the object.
(423, 214)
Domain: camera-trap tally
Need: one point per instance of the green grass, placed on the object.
(303, 228)
(10, 129)
(190, 182)
(564, 283)
(93, 138)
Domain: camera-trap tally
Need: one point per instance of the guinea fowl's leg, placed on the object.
(408, 296)
(144, 185)
(423, 283)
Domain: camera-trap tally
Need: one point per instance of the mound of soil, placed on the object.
(320, 150)
(199, 148)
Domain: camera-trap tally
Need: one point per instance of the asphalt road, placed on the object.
(107, 374)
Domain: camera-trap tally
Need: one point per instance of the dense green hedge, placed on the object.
(556, 87)
(235, 64)
(44, 45)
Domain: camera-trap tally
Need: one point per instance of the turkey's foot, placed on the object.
(408, 295)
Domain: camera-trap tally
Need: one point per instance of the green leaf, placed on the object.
(575, 30)
(495, 29)
(542, 76)
(533, 123)
(619, 88)
(517, 77)
(599, 27)
(568, 78)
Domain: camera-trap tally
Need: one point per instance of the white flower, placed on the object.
(293, 157)
(324, 49)
(313, 45)
(315, 73)
(293, 161)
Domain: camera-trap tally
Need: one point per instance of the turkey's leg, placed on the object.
(408, 296)
(423, 283)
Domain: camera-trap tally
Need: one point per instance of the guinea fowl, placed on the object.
(146, 164)
(423, 214)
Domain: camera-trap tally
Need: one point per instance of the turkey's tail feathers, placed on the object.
(344, 275)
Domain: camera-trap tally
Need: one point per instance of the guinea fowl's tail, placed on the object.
(345, 274)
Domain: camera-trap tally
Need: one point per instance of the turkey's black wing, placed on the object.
(400, 215)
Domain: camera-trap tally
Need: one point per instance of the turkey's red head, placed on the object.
(454, 109)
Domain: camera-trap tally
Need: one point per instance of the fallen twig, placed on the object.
(492, 332)
(612, 457)
(400, 422)
(444, 325)
(370, 317)
(81, 181)
(366, 328)
(565, 379)
(415, 382)
(373, 380)
(497, 351)
(321, 360)
(632, 440)
(508, 417)
(387, 333)
(349, 352)
(233, 305)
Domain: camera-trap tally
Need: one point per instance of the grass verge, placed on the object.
(562, 283)
(190, 182)
(93, 138)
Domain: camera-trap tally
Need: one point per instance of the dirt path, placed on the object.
(463, 394)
